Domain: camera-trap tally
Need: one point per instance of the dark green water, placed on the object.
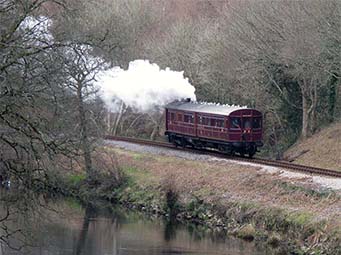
(73, 230)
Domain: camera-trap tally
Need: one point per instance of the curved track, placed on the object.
(268, 162)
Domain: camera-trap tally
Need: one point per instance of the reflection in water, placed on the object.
(79, 231)
(170, 230)
(89, 213)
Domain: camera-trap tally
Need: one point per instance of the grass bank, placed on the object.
(241, 200)
(320, 150)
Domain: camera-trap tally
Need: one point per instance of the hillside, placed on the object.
(321, 150)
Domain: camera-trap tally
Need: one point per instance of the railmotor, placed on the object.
(227, 128)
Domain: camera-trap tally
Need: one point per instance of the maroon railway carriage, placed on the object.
(203, 125)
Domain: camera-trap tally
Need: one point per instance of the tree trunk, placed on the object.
(109, 121)
(156, 121)
(85, 144)
(332, 100)
(312, 108)
(154, 132)
(337, 110)
(118, 119)
(305, 117)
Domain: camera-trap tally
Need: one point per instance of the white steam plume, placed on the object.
(143, 86)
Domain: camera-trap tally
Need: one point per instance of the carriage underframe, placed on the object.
(230, 148)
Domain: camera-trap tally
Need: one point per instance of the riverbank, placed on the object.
(285, 212)
(68, 228)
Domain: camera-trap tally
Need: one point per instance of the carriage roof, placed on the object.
(204, 107)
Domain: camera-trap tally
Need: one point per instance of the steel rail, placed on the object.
(261, 161)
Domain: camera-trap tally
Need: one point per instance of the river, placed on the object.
(67, 228)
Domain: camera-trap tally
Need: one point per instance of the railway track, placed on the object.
(268, 162)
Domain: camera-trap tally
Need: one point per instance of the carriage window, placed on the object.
(257, 123)
(179, 117)
(172, 116)
(235, 122)
(220, 123)
(203, 120)
(200, 120)
(188, 118)
(206, 121)
(217, 122)
(247, 122)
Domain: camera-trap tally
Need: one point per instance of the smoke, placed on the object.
(144, 86)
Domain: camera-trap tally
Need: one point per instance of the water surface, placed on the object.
(76, 230)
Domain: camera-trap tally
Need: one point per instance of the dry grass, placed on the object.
(220, 181)
(321, 150)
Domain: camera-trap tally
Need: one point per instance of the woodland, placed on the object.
(281, 57)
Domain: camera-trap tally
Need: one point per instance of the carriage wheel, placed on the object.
(221, 148)
(231, 152)
(170, 138)
(183, 142)
(252, 151)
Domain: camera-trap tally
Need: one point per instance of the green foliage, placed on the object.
(291, 188)
(196, 206)
(300, 219)
(138, 157)
(73, 203)
(76, 179)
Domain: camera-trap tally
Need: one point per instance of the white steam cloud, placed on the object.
(143, 86)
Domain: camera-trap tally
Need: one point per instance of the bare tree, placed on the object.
(287, 39)
(81, 69)
(176, 48)
(115, 28)
(35, 137)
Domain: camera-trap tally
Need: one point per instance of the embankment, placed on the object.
(289, 213)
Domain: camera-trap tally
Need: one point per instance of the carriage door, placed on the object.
(247, 129)
(235, 129)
